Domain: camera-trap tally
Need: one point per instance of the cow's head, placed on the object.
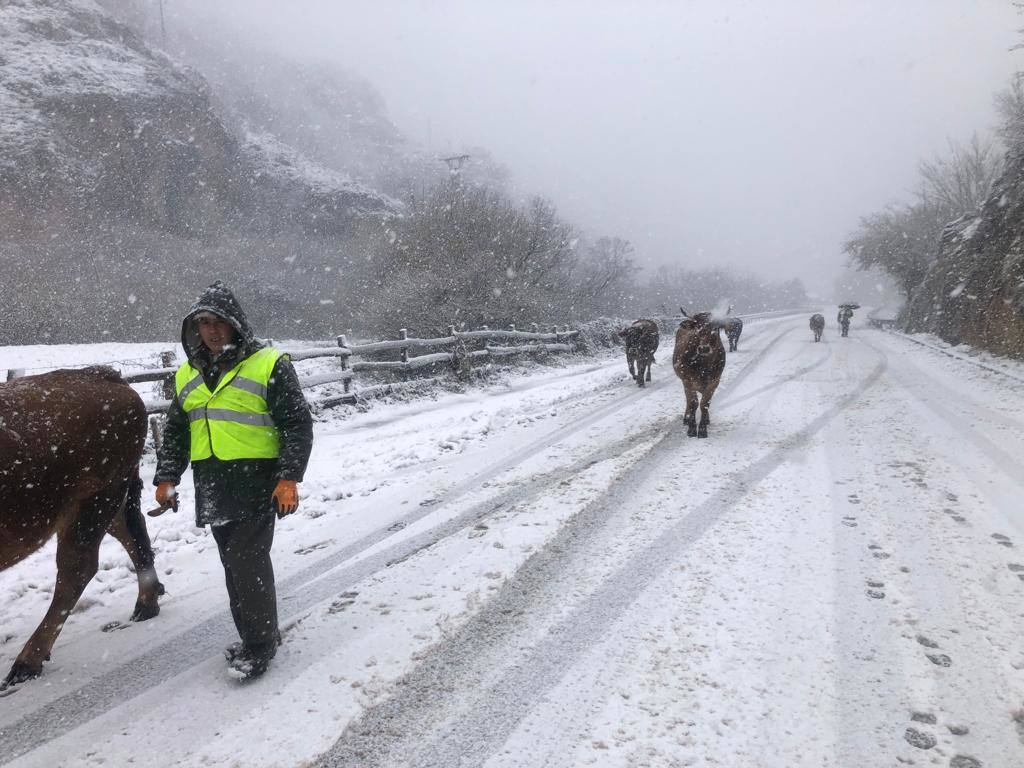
(704, 329)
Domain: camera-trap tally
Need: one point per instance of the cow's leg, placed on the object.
(650, 361)
(630, 359)
(78, 545)
(705, 405)
(641, 369)
(690, 415)
(129, 528)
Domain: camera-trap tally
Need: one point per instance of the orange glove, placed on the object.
(286, 497)
(166, 497)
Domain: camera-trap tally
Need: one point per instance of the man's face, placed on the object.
(216, 332)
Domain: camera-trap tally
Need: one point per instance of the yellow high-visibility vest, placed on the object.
(233, 421)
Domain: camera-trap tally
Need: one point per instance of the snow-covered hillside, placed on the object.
(550, 573)
(98, 129)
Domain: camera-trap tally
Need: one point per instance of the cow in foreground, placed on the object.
(698, 359)
(733, 328)
(817, 326)
(70, 445)
(641, 342)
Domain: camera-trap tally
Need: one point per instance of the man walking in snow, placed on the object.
(240, 417)
(844, 317)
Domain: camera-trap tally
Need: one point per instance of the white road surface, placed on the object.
(548, 572)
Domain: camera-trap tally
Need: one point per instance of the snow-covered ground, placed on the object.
(548, 572)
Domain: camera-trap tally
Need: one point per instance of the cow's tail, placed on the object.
(135, 522)
(140, 549)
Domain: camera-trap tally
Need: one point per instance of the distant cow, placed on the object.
(818, 326)
(698, 359)
(641, 341)
(70, 445)
(733, 328)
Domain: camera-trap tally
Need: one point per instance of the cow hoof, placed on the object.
(702, 432)
(143, 611)
(160, 589)
(691, 431)
(20, 672)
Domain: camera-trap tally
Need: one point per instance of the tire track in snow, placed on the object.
(314, 584)
(1011, 467)
(417, 727)
(934, 605)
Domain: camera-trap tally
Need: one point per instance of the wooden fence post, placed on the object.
(461, 361)
(403, 333)
(167, 386)
(343, 342)
(154, 428)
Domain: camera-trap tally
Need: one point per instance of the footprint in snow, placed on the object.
(927, 642)
(964, 761)
(939, 659)
(1015, 567)
(314, 547)
(344, 601)
(919, 739)
(877, 594)
(923, 717)
(958, 730)
(1002, 539)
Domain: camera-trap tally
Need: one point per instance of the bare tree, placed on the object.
(957, 183)
(1010, 107)
(901, 240)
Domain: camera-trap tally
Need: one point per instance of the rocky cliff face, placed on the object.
(94, 123)
(974, 292)
(126, 185)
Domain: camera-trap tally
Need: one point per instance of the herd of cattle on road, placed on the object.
(71, 442)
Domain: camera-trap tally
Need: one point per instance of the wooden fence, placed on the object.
(460, 357)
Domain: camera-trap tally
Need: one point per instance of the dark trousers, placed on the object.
(245, 553)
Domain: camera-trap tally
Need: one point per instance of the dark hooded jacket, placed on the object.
(240, 489)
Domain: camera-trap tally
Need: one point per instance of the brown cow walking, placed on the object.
(698, 359)
(70, 445)
(641, 342)
(817, 326)
(733, 329)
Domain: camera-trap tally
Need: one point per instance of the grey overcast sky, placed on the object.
(749, 133)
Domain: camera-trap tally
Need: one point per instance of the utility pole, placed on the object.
(455, 163)
(163, 28)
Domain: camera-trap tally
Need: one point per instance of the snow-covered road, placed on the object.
(550, 573)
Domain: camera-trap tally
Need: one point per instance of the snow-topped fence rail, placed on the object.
(459, 358)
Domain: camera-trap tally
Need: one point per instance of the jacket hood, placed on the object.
(219, 300)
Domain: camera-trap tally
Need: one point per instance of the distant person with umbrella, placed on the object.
(845, 315)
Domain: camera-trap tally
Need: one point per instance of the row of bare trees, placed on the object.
(468, 255)
(903, 239)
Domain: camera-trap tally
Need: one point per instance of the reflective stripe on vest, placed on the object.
(233, 421)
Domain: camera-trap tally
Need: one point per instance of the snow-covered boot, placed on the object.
(234, 650)
(252, 662)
